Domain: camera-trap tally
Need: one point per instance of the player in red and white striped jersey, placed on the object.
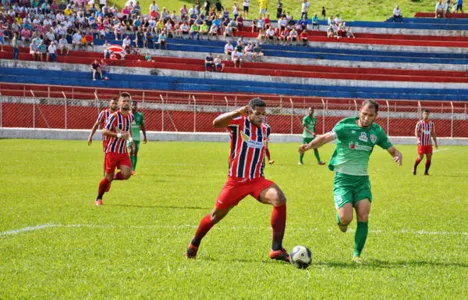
(249, 137)
(101, 121)
(117, 130)
(424, 132)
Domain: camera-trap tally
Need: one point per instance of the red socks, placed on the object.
(205, 225)
(118, 176)
(278, 223)
(416, 162)
(102, 187)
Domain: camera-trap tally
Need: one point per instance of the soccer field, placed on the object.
(54, 243)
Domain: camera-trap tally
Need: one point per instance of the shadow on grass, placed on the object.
(159, 206)
(379, 264)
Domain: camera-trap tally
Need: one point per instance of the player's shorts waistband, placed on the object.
(242, 180)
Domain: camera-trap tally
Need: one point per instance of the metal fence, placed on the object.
(186, 112)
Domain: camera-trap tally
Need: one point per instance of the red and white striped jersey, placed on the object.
(102, 120)
(248, 145)
(425, 130)
(117, 122)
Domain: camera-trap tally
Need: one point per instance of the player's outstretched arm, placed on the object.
(397, 156)
(222, 121)
(318, 142)
(91, 134)
(434, 138)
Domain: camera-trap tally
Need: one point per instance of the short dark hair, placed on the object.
(125, 95)
(256, 102)
(426, 111)
(371, 103)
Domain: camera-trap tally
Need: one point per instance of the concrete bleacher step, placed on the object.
(19, 75)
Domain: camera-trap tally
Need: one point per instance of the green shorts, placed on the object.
(307, 140)
(350, 189)
(137, 145)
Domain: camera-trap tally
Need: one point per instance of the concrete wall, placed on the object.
(58, 134)
(232, 76)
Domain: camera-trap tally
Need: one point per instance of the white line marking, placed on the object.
(45, 226)
(438, 150)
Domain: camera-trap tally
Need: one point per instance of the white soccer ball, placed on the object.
(301, 257)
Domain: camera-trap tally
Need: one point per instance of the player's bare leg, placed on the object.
(124, 174)
(206, 224)
(428, 164)
(417, 162)
(362, 213)
(274, 196)
(344, 216)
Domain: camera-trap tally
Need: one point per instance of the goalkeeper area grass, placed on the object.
(55, 244)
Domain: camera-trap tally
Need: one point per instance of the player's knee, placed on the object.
(363, 216)
(346, 219)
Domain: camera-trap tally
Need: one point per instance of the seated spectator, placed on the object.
(257, 52)
(397, 17)
(304, 36)
(228, 31)
(204, 29)
(228, 48)
(185, 29)
(194, 31)
(236, 57)
(213, 31)
(42, 51)
(284, 36)
(209, 63)
(149, 58)
(52, 52)
(248, 51)
(315, 22)
(439, 10)
(331, 31)
(218, 63)
(162, 40)
(254, 25)
(127, 43)
(293, 37)
(96, 68)
(348, 32)
(89, 40)
(34, 51)
(271, 35)
(76, 40)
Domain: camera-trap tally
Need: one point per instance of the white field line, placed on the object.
(45, 226)
(438, 150)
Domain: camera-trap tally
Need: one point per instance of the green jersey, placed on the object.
(354, 146)
(309, 123)
(138, 121)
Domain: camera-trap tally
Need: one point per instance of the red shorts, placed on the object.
(236, 189)
(424, 149)
(113, 160)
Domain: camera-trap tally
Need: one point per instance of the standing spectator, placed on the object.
(153, 7)
(263, 4)
(305, 9)
(96, 67)
(279, 9)
(315, 22)
(397, 17)
(219, 6)
(324, 13)
(209, 63)
(52, 52)
(206, 7)
(246, 5)
(14, 45)
(459, 6)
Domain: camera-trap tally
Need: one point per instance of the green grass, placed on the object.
(132, 247)
(351, 10)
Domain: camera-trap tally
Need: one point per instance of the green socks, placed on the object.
(360, 237)
(134, 160)
(338, 220)
(301, 156)
(317, 155)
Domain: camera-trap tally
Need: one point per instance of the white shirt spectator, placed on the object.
(228, 48)
(63, 42)
(126, 42)
(76, 38)
(52, 48)
(305, 6)
(397, 12)
(153, 7)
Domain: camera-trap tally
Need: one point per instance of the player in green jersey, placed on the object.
(137, 125)
(355, 140)
(308, 135)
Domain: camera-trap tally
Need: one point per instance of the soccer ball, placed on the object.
(301, 257)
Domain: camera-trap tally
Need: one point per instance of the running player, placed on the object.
(137, 125)
(101, 121)
(355, 141)
(245, 177)
(425, 130)
(308, 135)
(117, 129)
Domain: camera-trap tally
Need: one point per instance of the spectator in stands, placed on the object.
(52, 52)
(213, 31)
(127, 43)
(153, 7)
(459, 6)
(305, 9)
(76, 40)
(14, 45)
(34, 51)
(293, 37)
(204, 29)
(315, 22)
(257, 52)
(228, 48)
(42, 51)
(194, 31)
(149, 58)
(439, 10)
(447, 6)
(263, 7)
(96, 68)
(348, 32)
(246, 5)
(209, 63)
(304, 36)
(162, 40)
(63, 45)
(271, 35)
(397, 17)
(218, 63)
(237, 58)
(219, 6)
(185, 29)
(279, 10)
(324, 13)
